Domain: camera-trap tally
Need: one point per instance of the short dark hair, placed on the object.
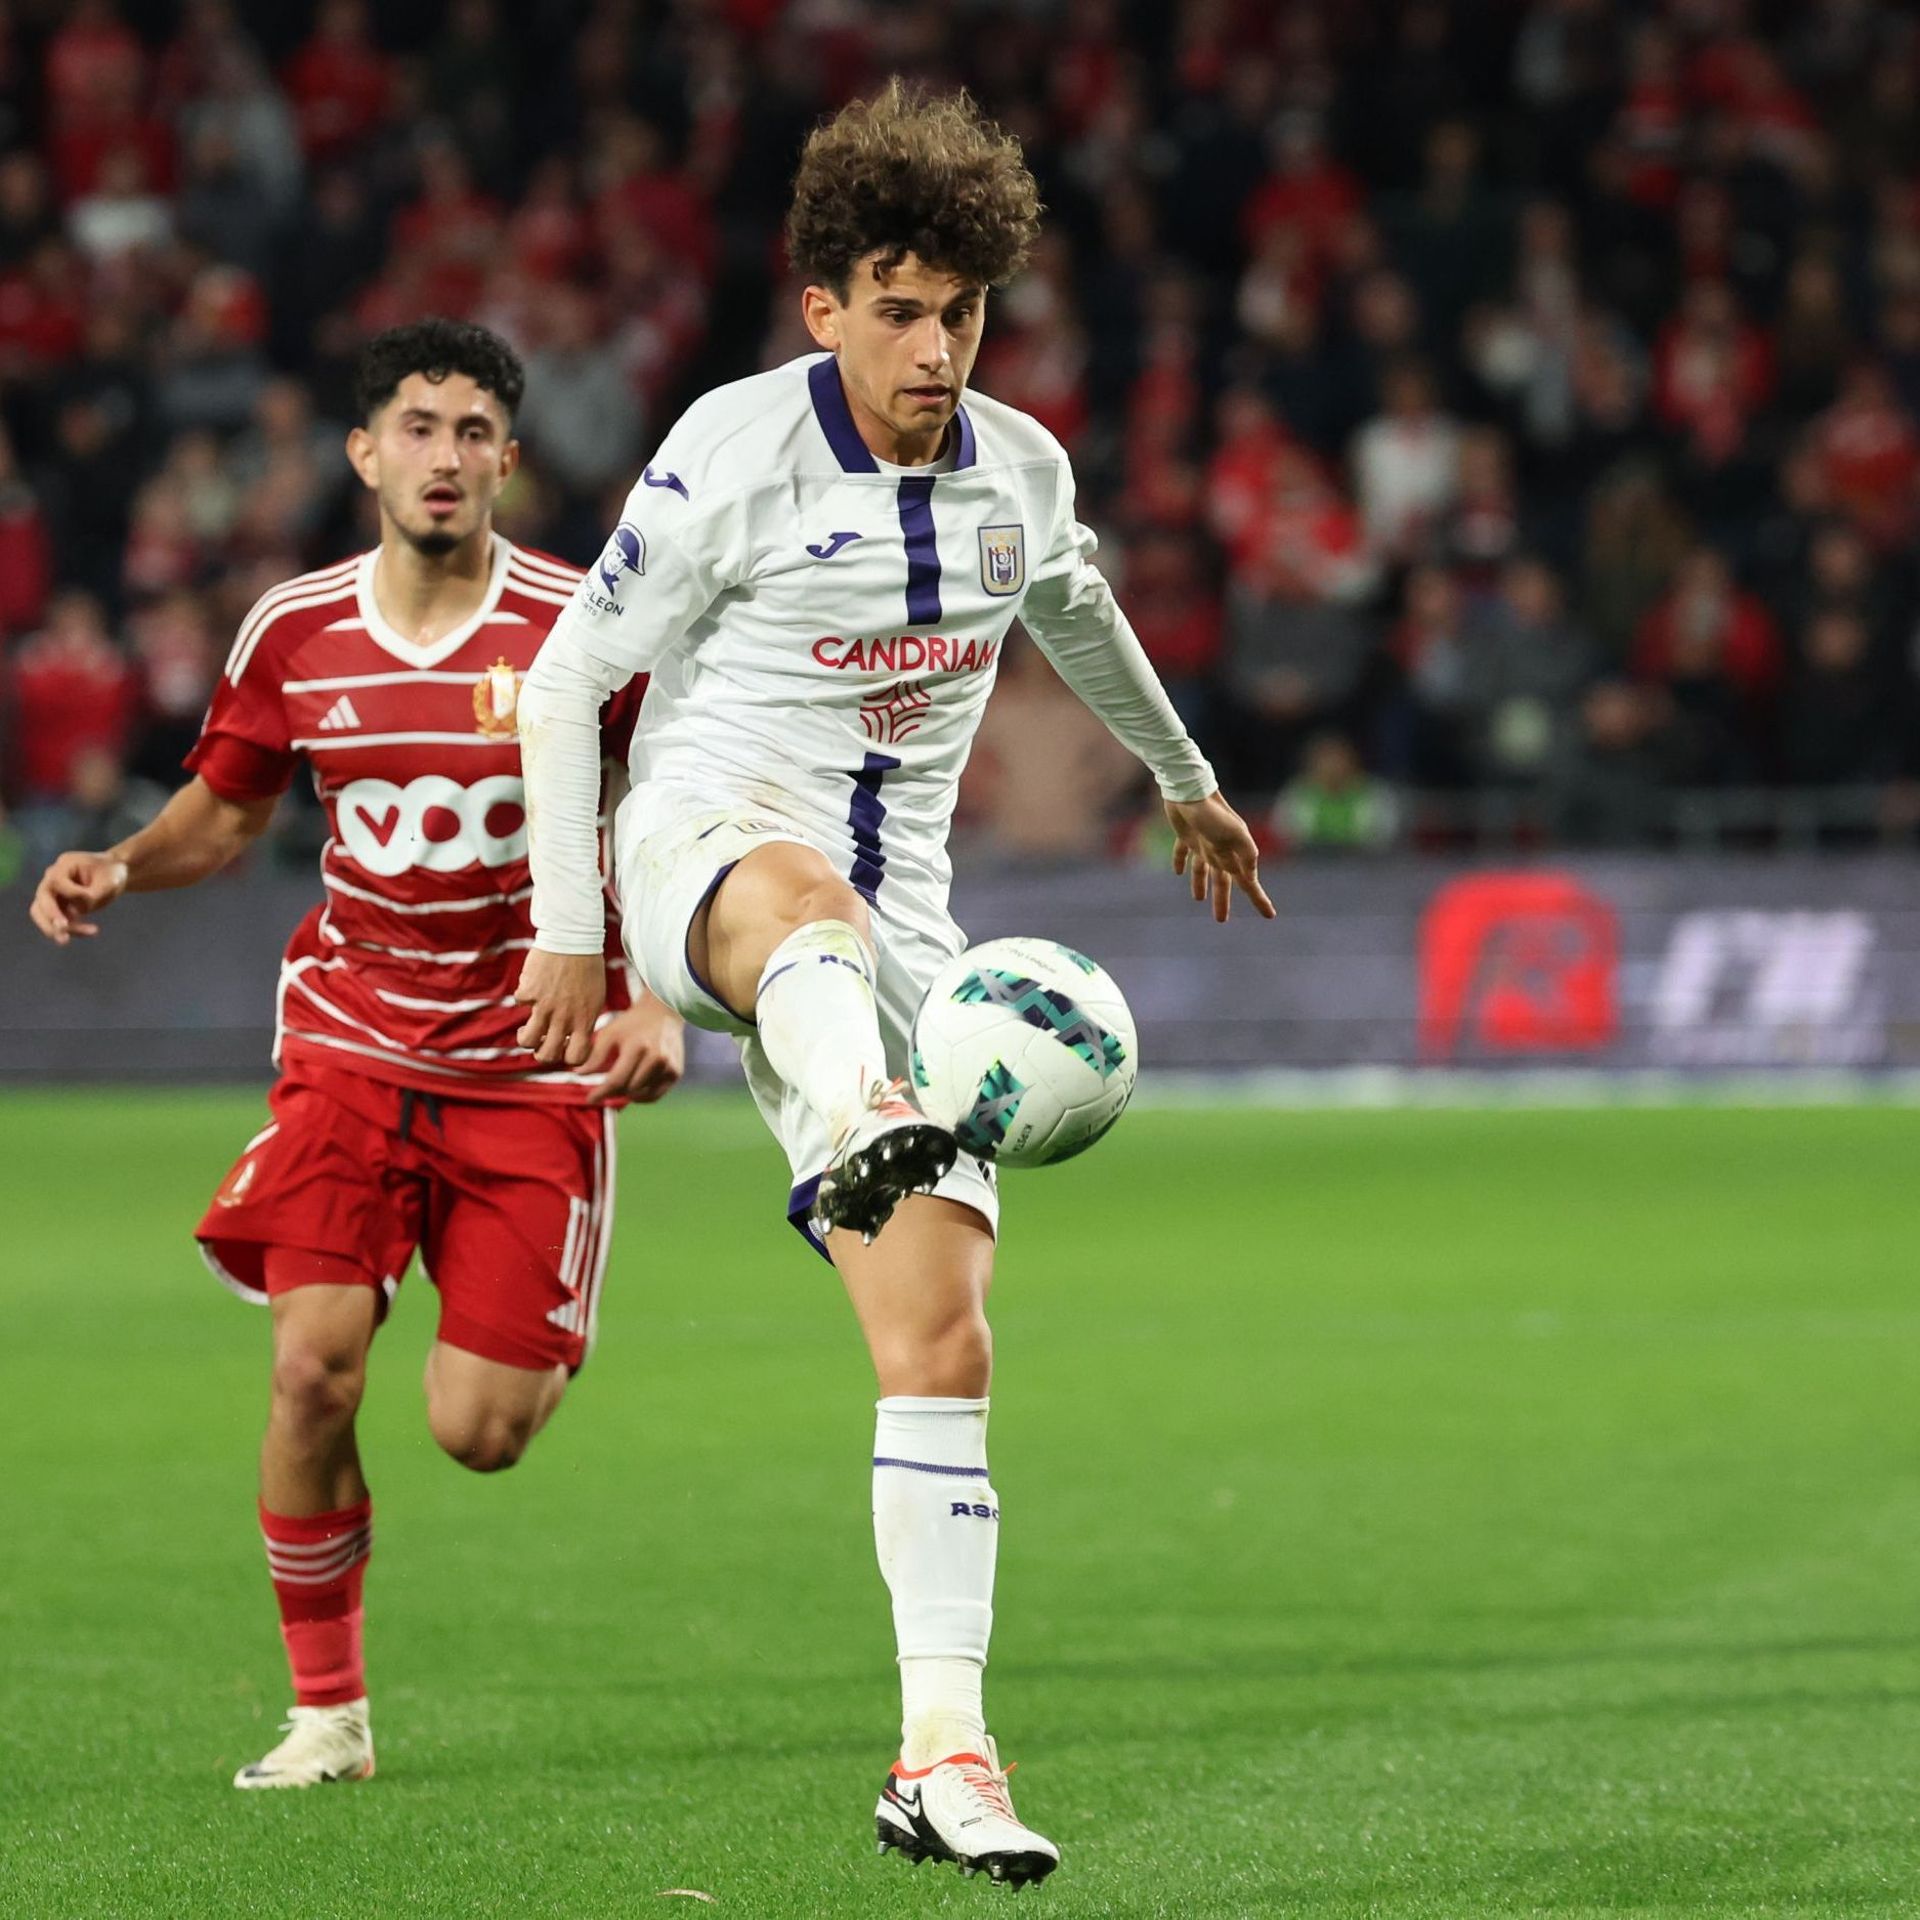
(911, 171)
(437, 348)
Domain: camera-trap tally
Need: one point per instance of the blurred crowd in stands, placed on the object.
(1493, 410)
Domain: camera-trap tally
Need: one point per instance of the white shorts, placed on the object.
(671, 850)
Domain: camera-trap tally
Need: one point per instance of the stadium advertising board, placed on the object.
(1710, 964)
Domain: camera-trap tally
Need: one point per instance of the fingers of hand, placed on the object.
(618, 1065)
(1179, 856)
(1222, 893)
(1197, 878)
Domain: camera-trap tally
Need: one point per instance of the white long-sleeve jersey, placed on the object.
(822, 632)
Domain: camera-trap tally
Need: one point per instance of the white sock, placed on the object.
(936, 1525)
(817, 1019)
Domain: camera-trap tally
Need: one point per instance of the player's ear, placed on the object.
(509, 461)
(364, 456)
(821, 311)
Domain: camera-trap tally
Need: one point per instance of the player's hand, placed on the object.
(563, 994)
(1213, 848)
(76, 885)
(639, 1055)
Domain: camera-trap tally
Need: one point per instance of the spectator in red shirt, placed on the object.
(1712, 373)
(71, 694)
(26, 554)
(1871, 456)
(41, 308)
(451, 232)
(1243, 472)
(548, 234)
(341, 83)
(1308, 190)
(635, 187)
(1705, 603)
(1650, 127)
(1084, 68)
(1776, 119)
(1717, 652)
(95, 65)
(1177, 615)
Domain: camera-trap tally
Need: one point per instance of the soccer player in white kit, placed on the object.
(818, 569)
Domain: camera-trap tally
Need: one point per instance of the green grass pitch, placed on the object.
(1408, 1514)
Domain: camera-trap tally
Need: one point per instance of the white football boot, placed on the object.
(323, 1744)
(890, 1151)
(959, 1809)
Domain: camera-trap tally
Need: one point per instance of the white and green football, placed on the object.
(1026, 1050)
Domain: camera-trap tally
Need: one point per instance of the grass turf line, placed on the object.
(1408, 1514)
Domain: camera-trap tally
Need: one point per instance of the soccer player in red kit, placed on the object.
(405, 1115)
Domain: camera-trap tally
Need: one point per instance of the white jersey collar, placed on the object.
(448, 644)
(835, 418)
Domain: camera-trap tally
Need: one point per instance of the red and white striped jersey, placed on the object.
(406, 972)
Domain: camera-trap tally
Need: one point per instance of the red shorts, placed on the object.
(510, 1206)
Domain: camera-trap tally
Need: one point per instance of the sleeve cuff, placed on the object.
(1189, 784)
(572, 944)
(240, 770)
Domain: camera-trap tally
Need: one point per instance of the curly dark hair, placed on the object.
(437, 348)
(911, 171)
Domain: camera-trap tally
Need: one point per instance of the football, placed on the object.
(1026, 1049)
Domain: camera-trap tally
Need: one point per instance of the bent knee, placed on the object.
(953, 1361)
(482, 1439)
(318, 1386)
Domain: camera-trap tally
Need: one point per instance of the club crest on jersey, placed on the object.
(495, 695)
(625, 552)
(1003, 559)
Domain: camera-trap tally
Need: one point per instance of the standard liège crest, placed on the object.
(495, 695)
(1003, 559)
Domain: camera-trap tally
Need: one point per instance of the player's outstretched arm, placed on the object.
(1214, 849)
(196, 833)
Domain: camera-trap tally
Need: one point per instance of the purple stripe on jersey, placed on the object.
(800, 1214)
(865, 817)
(836, 418)
(968, 452)
(693, 972)
(923, 551)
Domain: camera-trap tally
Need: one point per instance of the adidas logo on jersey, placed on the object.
(339, 716)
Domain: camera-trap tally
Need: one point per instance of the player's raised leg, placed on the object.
(784, 942)
(317, 1516)
(484, 1413)
(920, 1294)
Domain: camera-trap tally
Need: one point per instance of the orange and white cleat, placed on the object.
(323, 1745)
(891, 1150)
(959, 1809)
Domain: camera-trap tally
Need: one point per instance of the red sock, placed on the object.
(318, 1563)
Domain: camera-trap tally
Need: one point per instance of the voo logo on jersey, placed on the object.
(433, 823)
